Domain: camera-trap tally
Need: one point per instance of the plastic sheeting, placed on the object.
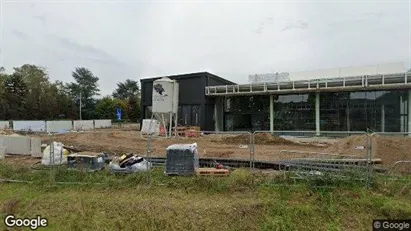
(150, 127)
(33, 125)
(182, 159)
(60, 155)
(141, 166)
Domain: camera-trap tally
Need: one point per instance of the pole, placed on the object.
(409, 112)
(170, 124)
(317, 113)
(80, 105)
(271, 113)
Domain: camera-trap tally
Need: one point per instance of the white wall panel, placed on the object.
(102, 123)
(33, 125)
(83, 124)
(57, 126)
(4, 124)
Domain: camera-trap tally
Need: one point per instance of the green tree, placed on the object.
(107, 107)
(130, 92)
(37, 104)
(15, 95)
(128, 89)
(86, 85)
(3, 103)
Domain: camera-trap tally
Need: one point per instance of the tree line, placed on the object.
(29, 94)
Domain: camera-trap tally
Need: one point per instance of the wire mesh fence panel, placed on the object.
(212, 150)
(393, 149)
(328, 157)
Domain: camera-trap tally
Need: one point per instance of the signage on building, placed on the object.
(269, 77)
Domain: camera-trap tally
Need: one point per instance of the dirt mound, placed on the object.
(391, 149)
(351, 145)
(266, 139)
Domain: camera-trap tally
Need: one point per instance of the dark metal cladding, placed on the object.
(195, 108)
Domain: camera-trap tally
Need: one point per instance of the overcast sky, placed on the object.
(118, 40)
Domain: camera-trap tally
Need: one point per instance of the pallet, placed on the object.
(192, 133)
(212, 172)
(180, 131)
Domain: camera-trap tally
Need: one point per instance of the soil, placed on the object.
(117, 141)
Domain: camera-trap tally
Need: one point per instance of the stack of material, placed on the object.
(182, 159)
(129, 163)
(88, 161)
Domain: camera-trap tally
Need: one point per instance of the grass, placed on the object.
(242, 201)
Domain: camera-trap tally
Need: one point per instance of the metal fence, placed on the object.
(212, 147)
(297, 155)
(342, 156)
(394, 151)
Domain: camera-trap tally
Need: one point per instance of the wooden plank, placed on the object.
(212, 172)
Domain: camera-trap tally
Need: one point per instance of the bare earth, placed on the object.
(119, 141)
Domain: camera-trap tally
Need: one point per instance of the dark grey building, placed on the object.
(195, 108)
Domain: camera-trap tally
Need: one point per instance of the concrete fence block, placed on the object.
(4, 125)
(18, 145)
(102, 124)
(57, 126)
(83, 124)
(35, 147)
(33, 125)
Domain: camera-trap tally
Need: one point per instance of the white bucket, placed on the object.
(2, 152)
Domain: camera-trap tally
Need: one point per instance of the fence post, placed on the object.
(369, 160)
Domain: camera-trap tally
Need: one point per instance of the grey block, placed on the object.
(182, 159)
(19, 145)
(35, 149)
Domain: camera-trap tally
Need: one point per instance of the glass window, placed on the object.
(294, 112)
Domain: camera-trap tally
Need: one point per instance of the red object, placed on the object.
(220, 166)
(162, 131)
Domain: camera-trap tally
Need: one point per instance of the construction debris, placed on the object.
(86, 161)
(129, 163)
(182, 159)
(55, 155)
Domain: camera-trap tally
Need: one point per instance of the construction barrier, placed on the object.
(29, 125)
(82, 125)
(57, 126)
(102, 124)
(4, 125)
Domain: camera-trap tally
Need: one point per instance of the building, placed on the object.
(195, 108)
(380, 102)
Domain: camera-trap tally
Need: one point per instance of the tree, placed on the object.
(37, 82)
(3, 103)
(127, 90)
(15, 93)
(86, 84)
(107, 106)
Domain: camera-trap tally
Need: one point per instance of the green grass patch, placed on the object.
(242, 201)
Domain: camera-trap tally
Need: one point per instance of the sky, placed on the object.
(119, 40)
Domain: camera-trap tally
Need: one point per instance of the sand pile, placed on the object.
(262, 138)
(391, 149)
(350, 145)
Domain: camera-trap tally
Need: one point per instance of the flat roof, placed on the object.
(186, 75)
(351, 83)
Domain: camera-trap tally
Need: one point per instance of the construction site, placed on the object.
(178, 161)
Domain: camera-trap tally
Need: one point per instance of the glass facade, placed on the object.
(359, 111)
(343, 111)
(294, 112)
(245, 113)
